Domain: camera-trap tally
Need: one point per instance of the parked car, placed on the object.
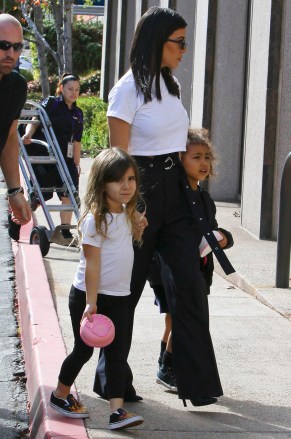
(24, 63)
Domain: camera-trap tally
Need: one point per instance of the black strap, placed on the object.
(201, 220)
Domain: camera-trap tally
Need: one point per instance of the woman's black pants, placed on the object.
(173, 233)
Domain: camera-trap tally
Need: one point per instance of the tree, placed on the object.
(67, 18)
(61, 10)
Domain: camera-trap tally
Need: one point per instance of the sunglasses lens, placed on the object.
(5, 45)
(17, 46)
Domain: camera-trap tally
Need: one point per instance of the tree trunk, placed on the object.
(38, 36)
(45, 86)
(57, 11)
(68, 60)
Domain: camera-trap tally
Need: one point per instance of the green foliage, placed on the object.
(27, 74)
(90, 84)
(10, 7)
(35, 85)
(34, 60)
(95, 135)
(34, 96)
(86, 45)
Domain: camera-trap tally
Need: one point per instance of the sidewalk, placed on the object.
(254, 261)
(252, 344)
(13, 402)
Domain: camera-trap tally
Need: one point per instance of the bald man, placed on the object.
(13, 91)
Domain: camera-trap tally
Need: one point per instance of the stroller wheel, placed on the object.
(39, 237)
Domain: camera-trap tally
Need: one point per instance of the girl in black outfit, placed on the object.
(198, 164)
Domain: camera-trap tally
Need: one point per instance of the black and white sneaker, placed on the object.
(166, 377)
(122, 419)
(69, 407)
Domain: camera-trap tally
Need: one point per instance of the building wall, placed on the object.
(254, 136)
(283, 138)
(228, 97)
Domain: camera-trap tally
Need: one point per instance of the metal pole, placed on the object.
(284, 228)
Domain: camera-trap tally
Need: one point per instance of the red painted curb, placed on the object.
(42, 343)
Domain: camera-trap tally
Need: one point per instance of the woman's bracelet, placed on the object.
(14, 191)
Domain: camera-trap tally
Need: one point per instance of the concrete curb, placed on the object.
(43, 345)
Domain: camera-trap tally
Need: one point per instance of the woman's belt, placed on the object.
(165, 161)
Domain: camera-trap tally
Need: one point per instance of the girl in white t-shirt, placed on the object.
(107, 228)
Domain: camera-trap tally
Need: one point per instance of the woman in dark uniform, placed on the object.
(67, 123)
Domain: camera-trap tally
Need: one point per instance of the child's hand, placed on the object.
(223, 242)
(89, 310)
(140, 222)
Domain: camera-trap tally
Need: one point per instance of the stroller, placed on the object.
(44, 175)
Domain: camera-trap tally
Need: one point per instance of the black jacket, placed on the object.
(206, 263)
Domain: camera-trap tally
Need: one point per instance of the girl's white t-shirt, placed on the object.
(116, 253)
(157, 127)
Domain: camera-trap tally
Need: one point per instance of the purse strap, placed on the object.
(203, 225)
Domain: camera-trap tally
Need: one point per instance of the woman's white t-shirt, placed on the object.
(157, 127)
(116, 254)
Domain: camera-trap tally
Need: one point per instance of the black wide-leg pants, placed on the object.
(174, 234)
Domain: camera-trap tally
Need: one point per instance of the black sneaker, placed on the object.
(13, 229)
(123, 419)
(67, 234)
(69, 240)
(166, 377)
(69, 407)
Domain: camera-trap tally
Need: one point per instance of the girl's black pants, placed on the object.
(117, 309)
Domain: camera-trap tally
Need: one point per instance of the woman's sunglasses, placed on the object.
(5, 45)
(183, 44)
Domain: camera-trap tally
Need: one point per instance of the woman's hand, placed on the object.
(30, 130)
(90, 309)
(77, 155)
(26, 139)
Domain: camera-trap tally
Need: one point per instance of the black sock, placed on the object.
(163, 348)
(66, 232)
(167, 359)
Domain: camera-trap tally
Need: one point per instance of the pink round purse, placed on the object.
(98, 333)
